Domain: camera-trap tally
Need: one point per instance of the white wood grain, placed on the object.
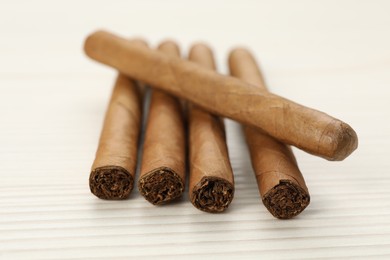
(330, 55)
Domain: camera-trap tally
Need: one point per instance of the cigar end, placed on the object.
(90, 40)
(238, 52)
(169, 46)
(346, 142)
(111, 183)
(200, 47)
(212, 194)
(161, 186)
(203, 54)
(286, 200)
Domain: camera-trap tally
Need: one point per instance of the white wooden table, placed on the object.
(330, 55)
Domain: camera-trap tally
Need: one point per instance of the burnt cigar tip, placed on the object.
(286, 200)
(111, 182)
(161, 186)
(212, 194)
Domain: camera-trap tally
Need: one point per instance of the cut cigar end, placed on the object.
(286, 200)
(111, 183)
(161, 186)
(212, 194)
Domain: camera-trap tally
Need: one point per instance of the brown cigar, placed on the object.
(112, 175)
(289, 122)
(162, 176)
(211, 185)
(281, 184)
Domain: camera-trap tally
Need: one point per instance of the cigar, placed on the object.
(291, 123)
(112, 174)
(211, 186)
(281, 184)
(162, 177)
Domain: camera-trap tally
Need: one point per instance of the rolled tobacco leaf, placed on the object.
(281, 184)
(162, 177)
(211, 186)
(112, 174)
(291, 123)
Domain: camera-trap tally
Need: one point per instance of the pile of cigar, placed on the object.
(184, 132)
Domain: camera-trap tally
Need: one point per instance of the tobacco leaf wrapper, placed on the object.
(112, 174)
(211, 186)
(281, 184)
(162, 177)
(288, 122)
